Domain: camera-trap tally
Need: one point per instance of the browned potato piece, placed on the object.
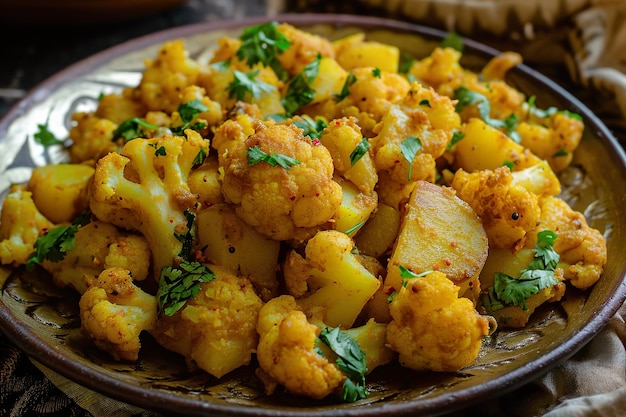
(228, 241)
(439, 232)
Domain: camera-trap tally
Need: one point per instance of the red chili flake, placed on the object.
(315, 142)
(171, 220)
(447, 261)
(453, 244)
(317, 194)
(337, 123)
(436, 267)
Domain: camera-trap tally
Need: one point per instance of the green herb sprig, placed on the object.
(359, 151)
(54, 245)
(256, 155)
(262, 44)
(177, 285)
(351, 361)
(409, 148)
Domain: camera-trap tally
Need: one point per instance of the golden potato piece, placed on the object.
(439, 232)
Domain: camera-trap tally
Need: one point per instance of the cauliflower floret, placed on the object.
(287, 354)
(145, 189)
(423, 115)
(92, 138)
(331, 277)
(120, 107)
(582, 249)
(283, 203)
(433, 329)
(441, 70)
(304, 48)
(21, 224)
(554, 138)
(100, 246)
(114, 312)
(508, 211)
(166, 76)
(216, 329)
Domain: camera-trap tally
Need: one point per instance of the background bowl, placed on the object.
(43, 320)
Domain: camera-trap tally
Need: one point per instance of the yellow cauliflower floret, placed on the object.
(554, 140)
(304, 48)
(332, 278)
(166, 76)
(92, 138)
(146, 190)
(100, 246)
(216, 329)
(114, 312)
(282, 203)
(582, 248)
(441, 70)
(508, 211)
(21, 224)
(424, 115)
(287, 354)
(433, 329)
(120, 107)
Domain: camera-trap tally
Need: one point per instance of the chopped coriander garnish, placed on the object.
(410, 147)
(177, 285)
(345, 90)
(187, 238)
(256, 155)
(299, 91)
(456, 137)
(406, 62)
(537, 276)
(45, 137)
(424, 102)
(355, 228)
(377, 73)
(132, 129)
(245, 83)
(351, 361)
(160, 151)
(572, 115)
(452, 40)
(538, 112)
(311, 128)
(560, 152)
(200, 157)
(509, 165)
(359, 151)
(59, 240)
(407, 273)
(262, 44)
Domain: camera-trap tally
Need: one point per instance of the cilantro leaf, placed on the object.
(45, 137)
(312, 129)
(351, 361)
(200, 157)
(377, 73)
(59, 240)
(406, 63)
(132, 129)
(187, 238)
(452, 40)
(407, 273)
(467, 97)
(299, 92)
(262, 44)
(245, 83)
(256, 155)
(409, 148)
(177, 285)
(359, 151)
(456, 137)
(354, 228)
(161, 151)
(537, 276)
(345, 90)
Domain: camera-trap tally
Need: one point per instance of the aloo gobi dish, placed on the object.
(318, 208)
